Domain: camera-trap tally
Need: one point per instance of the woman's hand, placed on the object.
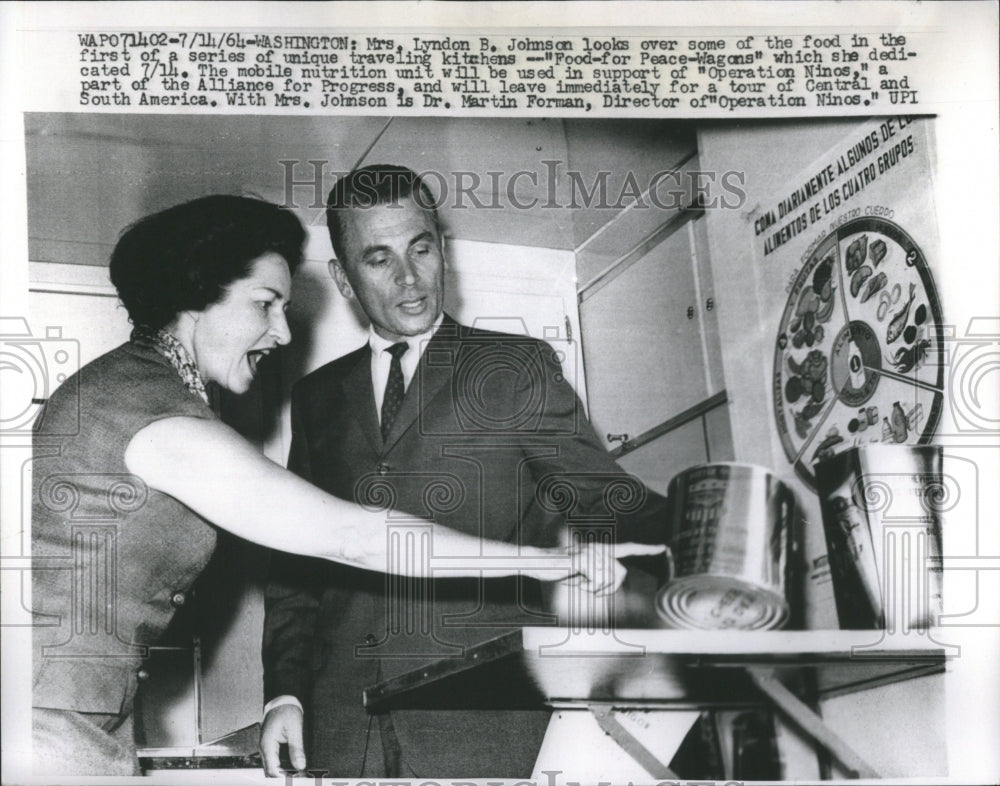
(592, 565)
(596, 565)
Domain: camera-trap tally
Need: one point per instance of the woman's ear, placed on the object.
(182, 327)
(187, 319)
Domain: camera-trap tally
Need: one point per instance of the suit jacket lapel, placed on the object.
(360, 396)
(433, 372)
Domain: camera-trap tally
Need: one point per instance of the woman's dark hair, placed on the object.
(184, 257)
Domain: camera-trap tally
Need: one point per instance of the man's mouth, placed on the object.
(413, 306)
(254, 357)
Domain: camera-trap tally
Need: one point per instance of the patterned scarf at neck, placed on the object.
(167, 345)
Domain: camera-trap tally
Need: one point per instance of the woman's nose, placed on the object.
(280, 330)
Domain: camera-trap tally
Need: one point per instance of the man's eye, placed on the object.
(377, 261)
(422, 250)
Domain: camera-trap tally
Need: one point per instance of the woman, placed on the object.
(133, 472)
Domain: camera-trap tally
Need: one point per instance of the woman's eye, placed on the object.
(264, 305)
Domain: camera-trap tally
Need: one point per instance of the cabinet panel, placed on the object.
(708, 307)
(670, 194)
(719, 435)
(866, 719)
(656, 462)
(643, 353)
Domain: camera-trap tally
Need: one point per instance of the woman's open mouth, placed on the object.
(254, 357)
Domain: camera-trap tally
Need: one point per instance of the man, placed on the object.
(471, 428)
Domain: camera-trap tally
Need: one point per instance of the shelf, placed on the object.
(640, 667)
(634, 668)
(237, 750)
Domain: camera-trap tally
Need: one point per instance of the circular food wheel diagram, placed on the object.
(858, 355)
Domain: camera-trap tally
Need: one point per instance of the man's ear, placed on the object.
(339, 276)
(443, 251)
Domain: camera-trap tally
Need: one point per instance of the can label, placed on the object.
(882, 524)
(697, 544)
(729, 544)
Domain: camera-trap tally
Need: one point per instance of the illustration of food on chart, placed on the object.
(857, 356)
(846, 256)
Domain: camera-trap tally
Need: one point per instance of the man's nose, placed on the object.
(406, 272)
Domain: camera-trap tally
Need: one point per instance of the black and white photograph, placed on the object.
(439, 399)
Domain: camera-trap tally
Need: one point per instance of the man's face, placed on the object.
(393, 267)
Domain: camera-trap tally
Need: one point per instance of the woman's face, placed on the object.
(232, 336)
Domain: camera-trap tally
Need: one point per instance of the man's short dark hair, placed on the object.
(184, 257)
(376, 184)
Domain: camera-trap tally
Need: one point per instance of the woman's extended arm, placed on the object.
(222, 477)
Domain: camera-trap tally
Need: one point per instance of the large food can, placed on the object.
(732, 548)
(881, 509)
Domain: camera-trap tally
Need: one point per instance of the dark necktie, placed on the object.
(394, 388)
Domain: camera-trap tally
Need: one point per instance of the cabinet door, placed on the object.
(642, 340)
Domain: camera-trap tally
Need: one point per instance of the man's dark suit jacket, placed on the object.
(487, 438)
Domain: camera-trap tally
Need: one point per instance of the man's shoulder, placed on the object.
(330, 373)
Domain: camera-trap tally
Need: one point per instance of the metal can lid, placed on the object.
(720, 603)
